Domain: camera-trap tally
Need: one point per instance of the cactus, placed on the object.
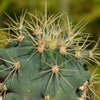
(45, 61)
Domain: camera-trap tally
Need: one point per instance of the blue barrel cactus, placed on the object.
(42, 60)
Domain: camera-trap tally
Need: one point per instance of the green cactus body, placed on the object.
(45, 65)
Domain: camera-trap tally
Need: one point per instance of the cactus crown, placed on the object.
(43, 62)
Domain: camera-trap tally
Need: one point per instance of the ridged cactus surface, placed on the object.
(44, 60)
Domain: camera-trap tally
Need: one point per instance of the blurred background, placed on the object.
(77, 9)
